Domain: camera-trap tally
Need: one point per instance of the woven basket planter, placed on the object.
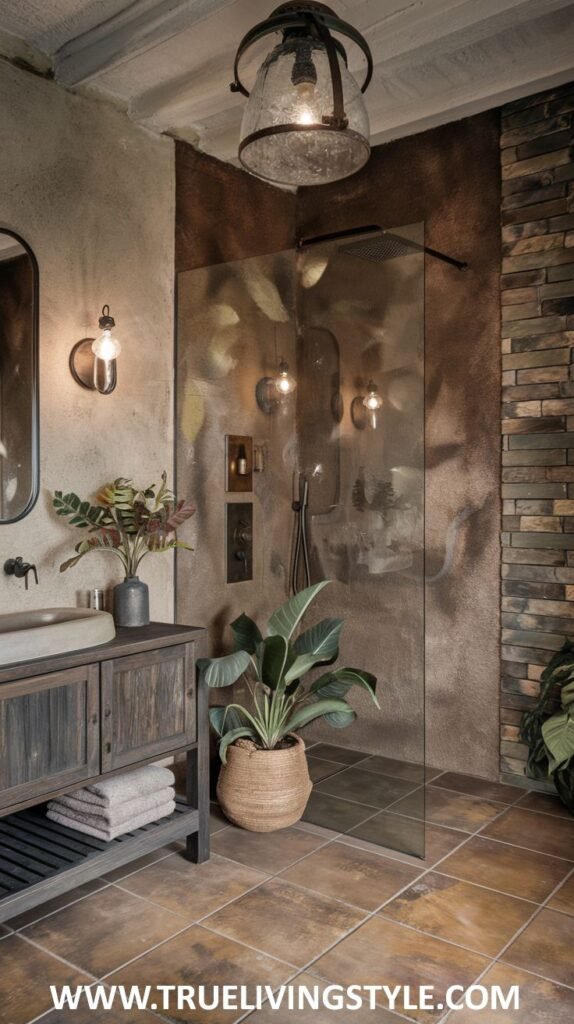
(264, 790)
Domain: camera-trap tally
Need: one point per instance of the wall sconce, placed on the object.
(372, 400)
(364, 408)
(270, 390)
(93, 360)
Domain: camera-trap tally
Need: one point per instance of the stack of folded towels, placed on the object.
(114, 806)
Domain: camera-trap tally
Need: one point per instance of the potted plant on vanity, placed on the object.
(131, 522)
(264, 781)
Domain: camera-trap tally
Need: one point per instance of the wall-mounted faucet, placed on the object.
(19, 568)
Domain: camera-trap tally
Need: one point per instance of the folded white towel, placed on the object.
(130, 786)
(107, 834)
(75, 806)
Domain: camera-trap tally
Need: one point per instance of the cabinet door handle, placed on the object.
(108, 748)
(107, 712)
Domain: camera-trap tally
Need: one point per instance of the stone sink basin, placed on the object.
(43, 632)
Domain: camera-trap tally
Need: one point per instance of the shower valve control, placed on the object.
(239, 541)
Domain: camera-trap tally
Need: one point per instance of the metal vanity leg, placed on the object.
(197, 781)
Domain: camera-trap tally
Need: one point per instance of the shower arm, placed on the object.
(303, 243)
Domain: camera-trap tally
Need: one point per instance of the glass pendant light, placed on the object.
(305, 122)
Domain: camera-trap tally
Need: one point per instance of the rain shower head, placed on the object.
(380, 246)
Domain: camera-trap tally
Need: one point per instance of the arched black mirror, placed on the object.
(19, 440)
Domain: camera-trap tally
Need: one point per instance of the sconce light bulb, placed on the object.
(106, 347)
(285, 383)
(372, 401)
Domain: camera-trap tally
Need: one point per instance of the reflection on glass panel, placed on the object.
(339, 494)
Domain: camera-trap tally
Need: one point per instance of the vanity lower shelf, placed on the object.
(40, 859)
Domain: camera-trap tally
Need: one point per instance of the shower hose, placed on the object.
(301, 545)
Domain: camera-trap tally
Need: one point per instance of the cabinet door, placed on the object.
(148, 705)
(49, 733)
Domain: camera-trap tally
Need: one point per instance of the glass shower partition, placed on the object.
(350, 440)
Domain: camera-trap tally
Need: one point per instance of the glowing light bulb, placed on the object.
(284, 382)
(107, 346)
(305, 116)
(372, 401)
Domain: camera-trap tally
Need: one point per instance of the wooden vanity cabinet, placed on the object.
(73, 719)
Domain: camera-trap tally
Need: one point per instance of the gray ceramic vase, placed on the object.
(131, 602)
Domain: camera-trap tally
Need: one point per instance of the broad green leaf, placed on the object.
(285, 620)
(321, 639)
(230, 737)
(340, 719)
(274, 657)
(224, 671)
(223, 719)
(302, 716)
(303, 663)
(338, 683)
(246, 634)
(558, 733)
(567, 695)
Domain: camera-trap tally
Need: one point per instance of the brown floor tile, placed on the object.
(364, 879)
(332, 813)
(407, 770)
(523, 873)
(564, 898)
(408, 837)
(540, 1002)
(142, 862)
(329, 752)
(479, 787)
(469, 915)
(366, 787)
(545, 947)
(319, 770)
(266, 851)
(322, 1015)
(382, 949)
(217, 820)
(541, 832)
(453, 810)
(193, 890)
(56, 904)
(199, 956)
(105, 930)
(284, 921)
(546, 803)
(84, 1015)
(25, 980)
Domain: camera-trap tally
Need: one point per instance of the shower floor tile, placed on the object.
(450, 809)
(329, 752)
(366, 787)
(333, 813)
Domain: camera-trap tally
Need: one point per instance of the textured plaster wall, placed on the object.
(450, 179)
(94, 198)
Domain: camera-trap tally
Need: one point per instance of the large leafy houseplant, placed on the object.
(129, 521)
(273, 667)
(549, 730)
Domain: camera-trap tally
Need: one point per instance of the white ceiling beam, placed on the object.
(127, 34)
